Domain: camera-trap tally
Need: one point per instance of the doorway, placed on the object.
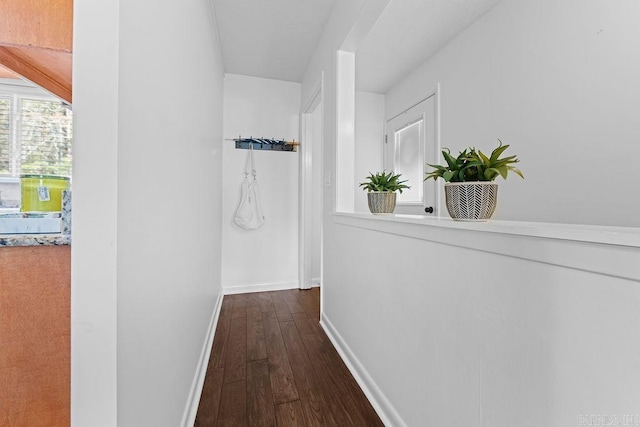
(311, 194)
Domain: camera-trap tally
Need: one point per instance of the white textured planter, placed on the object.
(381, 202)
(471, 201)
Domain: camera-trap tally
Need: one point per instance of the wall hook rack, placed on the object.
(265, 144)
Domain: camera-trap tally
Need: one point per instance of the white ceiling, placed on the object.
(276, 38)
(270, 38)
(407, 33)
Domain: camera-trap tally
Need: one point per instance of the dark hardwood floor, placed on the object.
(272, 365)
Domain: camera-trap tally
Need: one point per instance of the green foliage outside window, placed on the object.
(39, 140)
(46, 135)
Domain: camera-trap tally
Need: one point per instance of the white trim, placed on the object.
(307, 164)
(440, 202)
(193, 401)
(603, 234)
(20, 81)
(579, 247)
(259, 287)
(378, 400)
(315, 98)
(25, 88)
(344, 155)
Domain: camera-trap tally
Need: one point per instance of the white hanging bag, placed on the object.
(249, 214)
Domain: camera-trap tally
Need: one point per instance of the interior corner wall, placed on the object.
(556, 79)
(266, 258)
(369, 124)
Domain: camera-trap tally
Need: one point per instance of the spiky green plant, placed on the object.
(473, 165)
(384, 181)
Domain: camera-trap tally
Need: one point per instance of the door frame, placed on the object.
(305, 188)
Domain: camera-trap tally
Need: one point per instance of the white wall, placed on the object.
(369, 121)
(267, 256)
(557, 79)
(95, 223)
(148, 125)
(486, 329)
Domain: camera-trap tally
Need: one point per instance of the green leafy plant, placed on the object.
(473, 165)
(384, 181)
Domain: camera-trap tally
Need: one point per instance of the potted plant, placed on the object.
(381, 188)
(470, 192)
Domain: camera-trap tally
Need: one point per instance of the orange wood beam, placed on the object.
(36, 42)
(46, 24)
(39, 70)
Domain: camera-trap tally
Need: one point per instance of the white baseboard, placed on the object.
(315, 283)
(379, 401)
(190, 411)
(259, 287)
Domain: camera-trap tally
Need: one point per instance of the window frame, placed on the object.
(17, 89)
(392, 148)
(427, 110)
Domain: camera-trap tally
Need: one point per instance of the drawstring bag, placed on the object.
(249, 214)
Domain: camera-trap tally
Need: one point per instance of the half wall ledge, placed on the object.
(608, 250)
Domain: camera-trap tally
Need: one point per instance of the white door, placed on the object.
(410, 143)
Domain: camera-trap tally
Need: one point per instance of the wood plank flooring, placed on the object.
(272, 365)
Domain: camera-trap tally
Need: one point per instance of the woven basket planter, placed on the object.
(381, 202)
(471, 201)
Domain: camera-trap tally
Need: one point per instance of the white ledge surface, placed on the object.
(607, 235)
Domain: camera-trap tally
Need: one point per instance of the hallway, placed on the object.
(272, 364)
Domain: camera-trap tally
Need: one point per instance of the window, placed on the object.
(35, 136)
(407, 160)
(411, 142)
